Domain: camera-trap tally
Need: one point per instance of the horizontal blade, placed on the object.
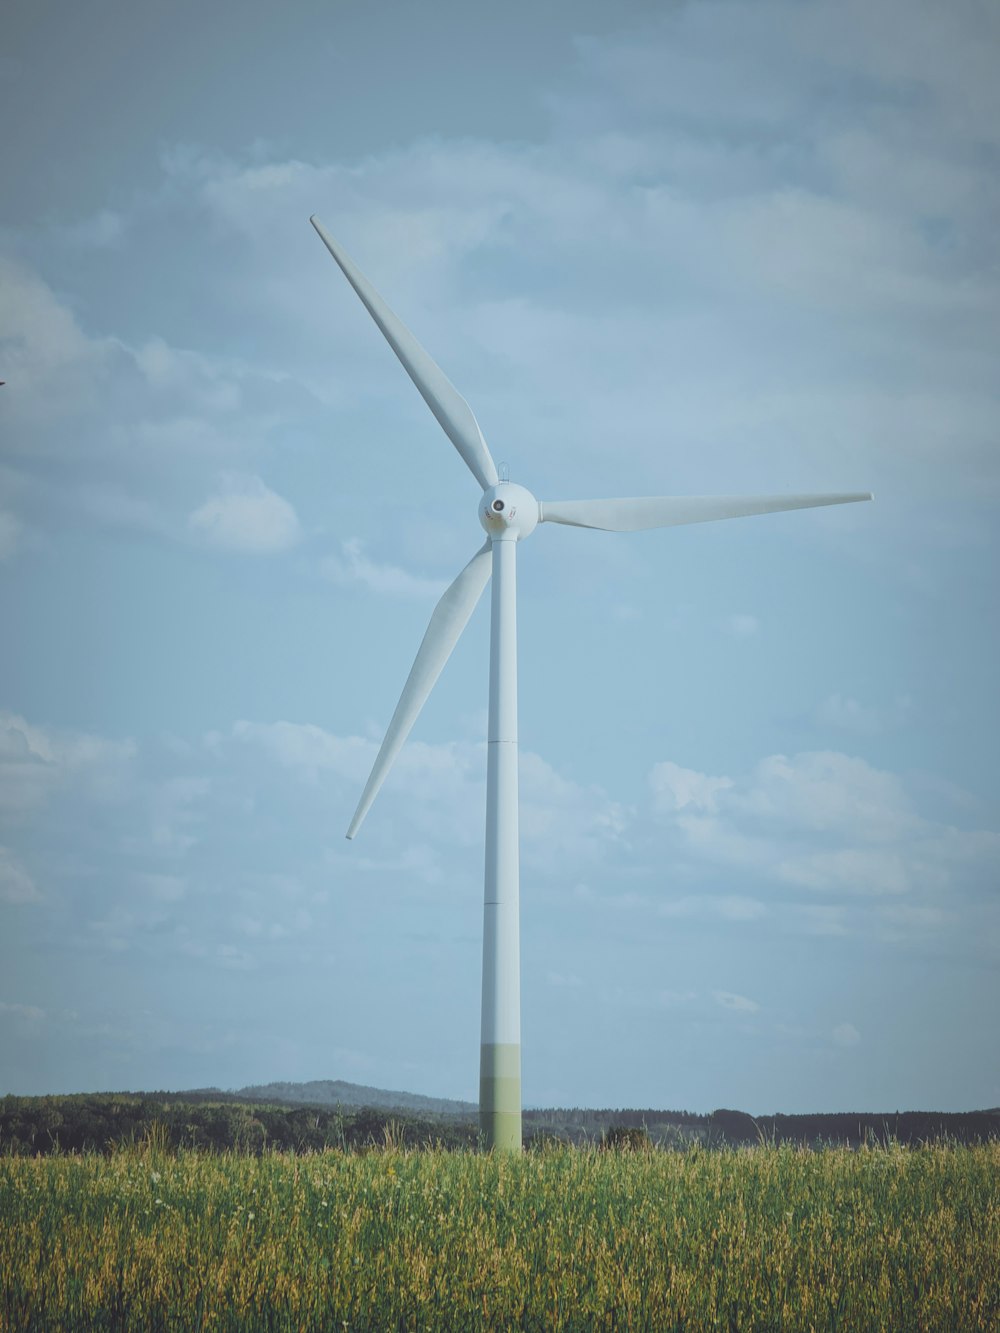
(667, 511)
(440, 395)
(451, 615)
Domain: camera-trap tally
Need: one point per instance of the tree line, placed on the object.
(41, 1125)
(102, 1122)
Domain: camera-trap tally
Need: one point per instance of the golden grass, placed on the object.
(767, 1238)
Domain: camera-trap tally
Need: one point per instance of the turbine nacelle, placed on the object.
(508, 510)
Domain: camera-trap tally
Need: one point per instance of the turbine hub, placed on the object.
(508, 509)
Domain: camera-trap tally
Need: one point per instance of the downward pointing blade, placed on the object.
(451, 615)
(666, 511)
(440, 395)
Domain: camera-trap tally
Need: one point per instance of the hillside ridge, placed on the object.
(338, 1092)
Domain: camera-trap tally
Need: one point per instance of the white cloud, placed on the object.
(37, 761)
(676, 788)
(354, 567)
(639, 164)
(134, 428)
(442, 788)
(846, 1035)
(661, 171)
(309, 749)
(824, 822)
(827, 792)
(211, 384)
(247, 516)
(699, 190)
(29, 1014)
(48, 360)
(739, 1003)
(563, 822)
(176, 810)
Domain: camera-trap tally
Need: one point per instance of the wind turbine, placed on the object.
(509, 514)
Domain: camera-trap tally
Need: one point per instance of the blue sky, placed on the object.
(689, 248)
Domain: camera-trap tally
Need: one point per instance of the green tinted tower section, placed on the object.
(500, 1096)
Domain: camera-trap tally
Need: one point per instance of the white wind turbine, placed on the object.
(509, 513)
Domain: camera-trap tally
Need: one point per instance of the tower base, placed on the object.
(500, 1097)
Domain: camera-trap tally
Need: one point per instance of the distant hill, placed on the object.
(335, 1092)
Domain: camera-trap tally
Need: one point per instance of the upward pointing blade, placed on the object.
(451, 615)
(666, 511)
(440, 395)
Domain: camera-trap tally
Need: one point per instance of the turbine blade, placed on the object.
(451, 615)
(667, 511)
(438, 392)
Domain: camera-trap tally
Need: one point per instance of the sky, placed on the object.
(710, 246)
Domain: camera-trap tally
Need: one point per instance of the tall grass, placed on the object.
(765, 1238)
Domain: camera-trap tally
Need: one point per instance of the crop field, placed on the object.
(764, 1238)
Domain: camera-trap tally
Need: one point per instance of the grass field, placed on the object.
(765, 1238)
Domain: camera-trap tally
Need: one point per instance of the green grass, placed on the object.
(767, 1238)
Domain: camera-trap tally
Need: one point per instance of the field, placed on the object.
(762, 1238)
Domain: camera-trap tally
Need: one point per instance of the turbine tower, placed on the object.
(509, 513)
